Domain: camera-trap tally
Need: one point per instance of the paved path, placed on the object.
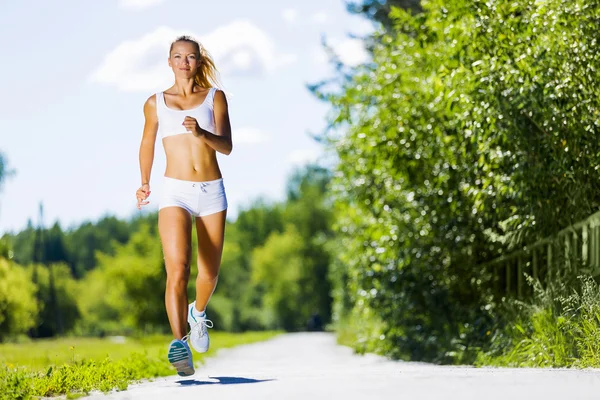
(310, 366)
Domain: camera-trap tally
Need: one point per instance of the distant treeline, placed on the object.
(108, 276)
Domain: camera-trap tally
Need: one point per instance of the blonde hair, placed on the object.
(207, 75)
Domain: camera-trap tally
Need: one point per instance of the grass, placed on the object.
(77, 365)
(559, 327)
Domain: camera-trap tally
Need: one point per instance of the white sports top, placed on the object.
(170, 120)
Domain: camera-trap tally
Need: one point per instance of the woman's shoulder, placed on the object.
(219, 96)
(150, 103)
(153, 99)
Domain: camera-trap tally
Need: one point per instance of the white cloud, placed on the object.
(319, 17)
(139, 4)
(290, 15)
(239, 49)
(249, 136)
(242, 47)
(303, 156)
(351, 51)
(363, 27)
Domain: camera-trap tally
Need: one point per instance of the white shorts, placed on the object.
(198, 198)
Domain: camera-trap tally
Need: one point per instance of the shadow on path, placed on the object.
(222, 380)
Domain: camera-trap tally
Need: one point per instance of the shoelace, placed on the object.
(203, 324)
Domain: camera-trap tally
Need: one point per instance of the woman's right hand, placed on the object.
(142, 194)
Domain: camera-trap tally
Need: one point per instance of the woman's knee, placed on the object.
(178, 274)
(208, 274)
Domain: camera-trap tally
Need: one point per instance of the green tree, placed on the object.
(254, 224)
(257, 221)
(235, 295)
(76, 247)
(309, 209)
(100, 300)
(5, 247)
(89, 238)
(55, 249)
(291, 267)
(56, 293)
(22, 244)
(133, 283)
(278, 266)
(18, 308)
(379, 10)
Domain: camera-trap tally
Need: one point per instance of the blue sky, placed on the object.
(75, 75)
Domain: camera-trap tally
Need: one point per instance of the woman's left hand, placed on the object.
(191, 125)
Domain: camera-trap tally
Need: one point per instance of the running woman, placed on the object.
(191, 117)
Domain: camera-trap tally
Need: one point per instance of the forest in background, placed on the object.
(108, 277)
(470, 133)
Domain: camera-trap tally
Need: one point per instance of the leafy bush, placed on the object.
(472, 131)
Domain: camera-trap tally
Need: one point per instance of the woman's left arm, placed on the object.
(221, 139)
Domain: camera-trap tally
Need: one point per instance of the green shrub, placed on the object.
(472, 131)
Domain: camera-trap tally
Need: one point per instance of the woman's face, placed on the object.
(184, 60)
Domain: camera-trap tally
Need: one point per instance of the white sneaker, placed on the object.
(180, 356)
(198, 336)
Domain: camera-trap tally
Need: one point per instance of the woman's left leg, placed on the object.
(211, 235)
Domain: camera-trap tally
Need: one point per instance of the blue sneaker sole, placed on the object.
(179, 358)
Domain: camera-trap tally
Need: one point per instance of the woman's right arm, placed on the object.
(147, 149)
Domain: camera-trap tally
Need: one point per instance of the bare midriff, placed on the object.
(189, 159)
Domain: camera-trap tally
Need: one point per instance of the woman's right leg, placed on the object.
(175, 228)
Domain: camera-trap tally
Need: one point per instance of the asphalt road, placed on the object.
(310, 366)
